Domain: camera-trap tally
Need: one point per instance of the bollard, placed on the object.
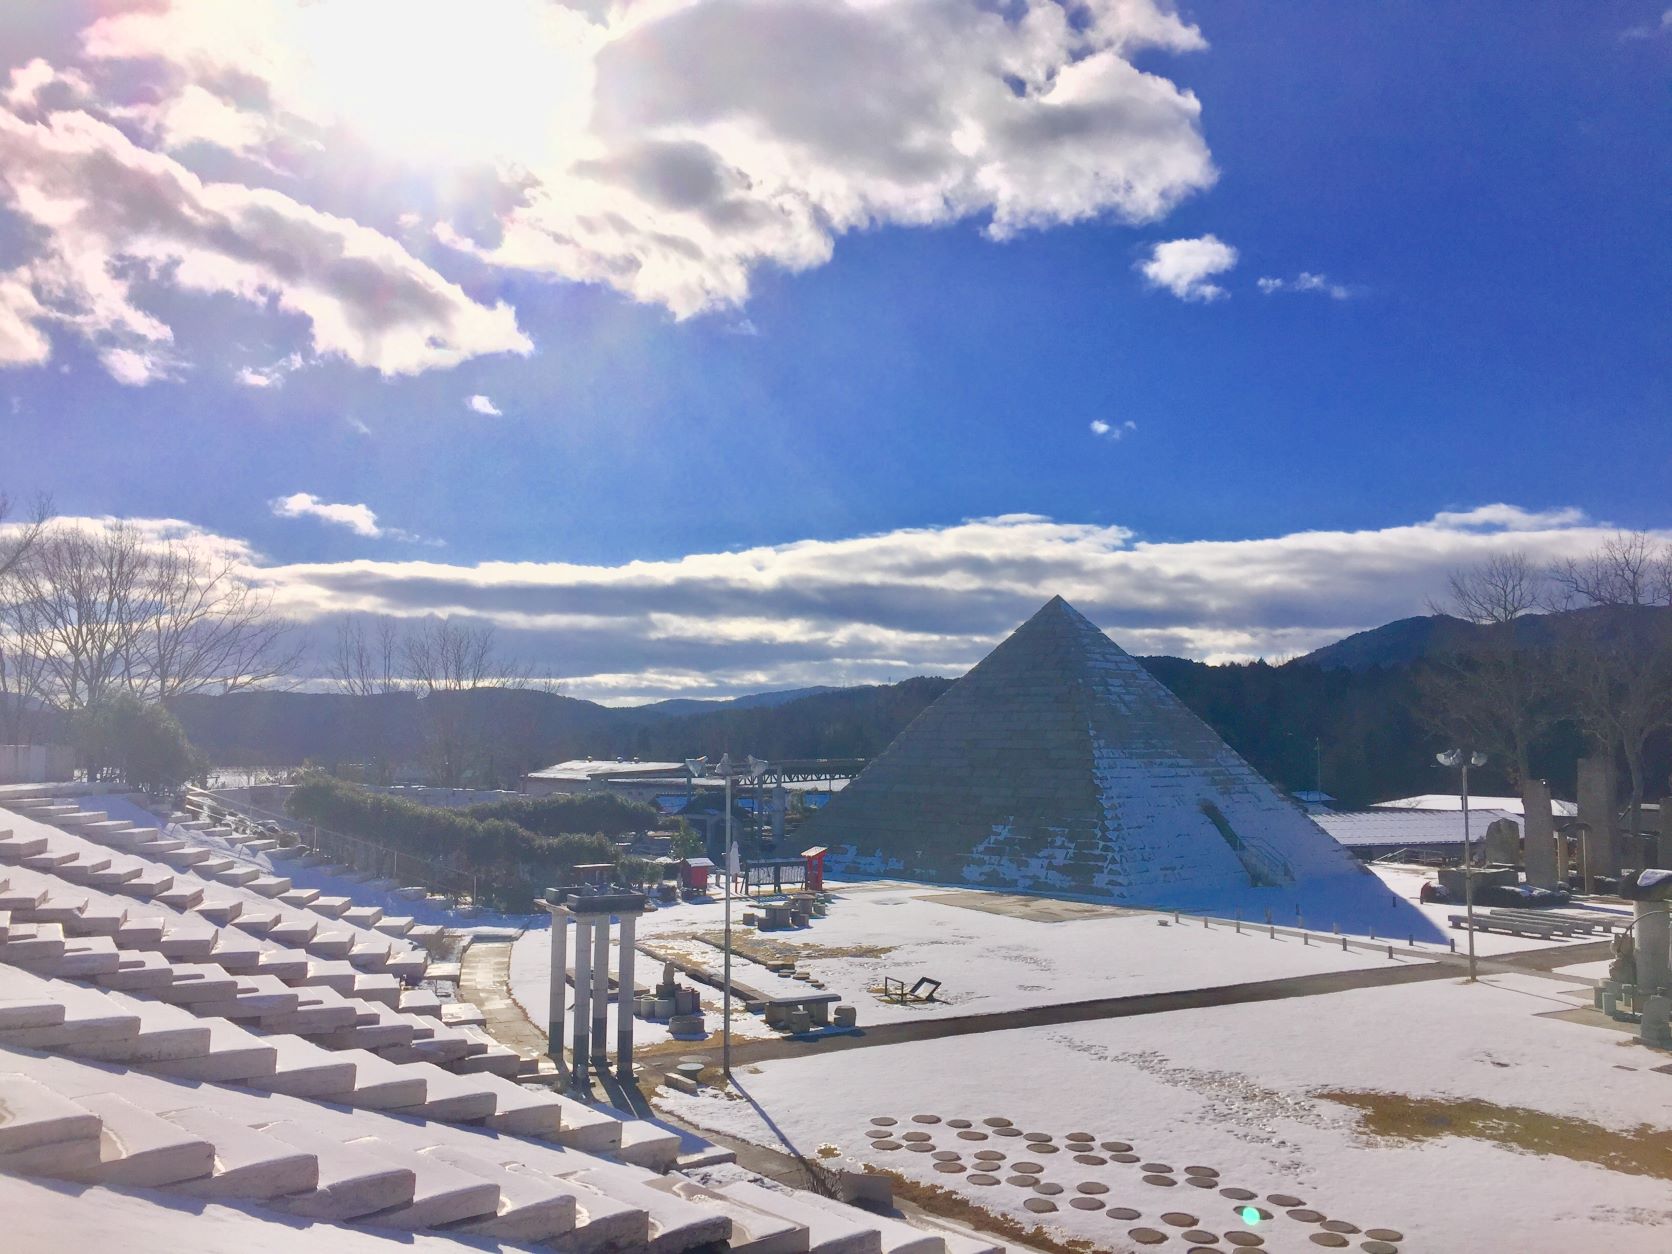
(1372, 933)
(1273, 931)
(1453, 942)
(1239, 923)
(1343, 944)
(1175, 916)
(1205, 923)
(1305, 939)
(1390, 951)
(1411, 941)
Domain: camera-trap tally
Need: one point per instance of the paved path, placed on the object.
(485, 981)
(487, 965)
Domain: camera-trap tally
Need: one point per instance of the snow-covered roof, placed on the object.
(1385, 828)
(594, 768)
(1452, 801)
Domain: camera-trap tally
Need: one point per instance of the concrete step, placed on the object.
(532, 1207)
(442, 1193)
(351, 1183)
(42, 1132)
(139, 1150)
(249, 1165)
(299, 897)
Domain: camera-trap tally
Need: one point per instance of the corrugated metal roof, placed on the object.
(1376, 828)
(1451, 801)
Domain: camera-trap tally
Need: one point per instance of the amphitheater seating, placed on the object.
(196, 1057)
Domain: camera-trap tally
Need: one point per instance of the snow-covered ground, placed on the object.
(1241, 1090)
(987, 960)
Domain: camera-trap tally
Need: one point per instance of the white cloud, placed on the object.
(1112, 430)
(268, 376)
(1185, 267)
(480, 404)
(1306, 281)
(360, 519)
(22, 342)
(668, 150)
(1650, 30)
(925, 600)
(110, 214)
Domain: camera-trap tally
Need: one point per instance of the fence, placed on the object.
(36, 764)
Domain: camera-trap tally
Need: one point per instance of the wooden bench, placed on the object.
(1510, 927)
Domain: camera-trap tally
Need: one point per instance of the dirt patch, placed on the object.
(772, 953)
(948, 1204)
(1034, 909)
(1641, 1151)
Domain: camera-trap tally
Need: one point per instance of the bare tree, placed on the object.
(204, 626)
(446, 660)
(1616, 652)
(365, 661)
(1496, 691)
(21, 668)
(85, 587)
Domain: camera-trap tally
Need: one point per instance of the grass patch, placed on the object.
(1641, 1151)
(949, 1204)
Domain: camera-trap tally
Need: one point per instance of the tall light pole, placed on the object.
(1463, 759)
(751, 768)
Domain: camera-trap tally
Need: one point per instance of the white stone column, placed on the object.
(1538, 834)
(580, 1069)
(1654, 939)
(624, 1001)
(1597, 811)
(559, 984)
(600, 986)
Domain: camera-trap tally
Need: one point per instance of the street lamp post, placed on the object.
(751, 768)
(1463, 759)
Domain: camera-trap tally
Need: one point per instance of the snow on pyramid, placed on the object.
(1059, 764)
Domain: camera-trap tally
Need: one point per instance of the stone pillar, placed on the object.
(1664, 844)
(624, 1001)
(1538, 834)
(1654, 941)
(1502, 843)
(600, 985)
(580, 1066)
(1598, 812)
(559, 984)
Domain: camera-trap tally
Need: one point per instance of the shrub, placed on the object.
(513, 865)
(144, 745)
(579, 812)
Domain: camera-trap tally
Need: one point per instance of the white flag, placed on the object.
(732, 867)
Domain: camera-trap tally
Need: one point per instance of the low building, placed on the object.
(1380, 832)
(1442, 801)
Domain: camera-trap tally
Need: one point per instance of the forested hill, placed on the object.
(1275, 716)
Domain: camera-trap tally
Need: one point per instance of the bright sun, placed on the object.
(439, 82)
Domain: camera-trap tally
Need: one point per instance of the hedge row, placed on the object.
(513, 866)
(579, 812)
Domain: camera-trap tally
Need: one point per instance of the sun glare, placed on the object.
(436, 82)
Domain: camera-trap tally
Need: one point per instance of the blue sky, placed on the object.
(1462, 212)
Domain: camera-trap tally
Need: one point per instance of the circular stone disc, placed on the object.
(1043, 1147)
(1200, 1171)
(1284, 1199)
(990, 1156)
(1047, 1189)
(1117, 1147)
(1022, 1182)
(1261, 1214)
(1237, 1195)
(1165, 1182)
(1123, 1158)
(1159, 1168)
(970, 1134)
(946, 1156)
(1085, 1203)
(1339, 1225)
(1123, 1212)
(885, 1145)
(1247, 1239)
(1040, 1205)
(1079, 1136)
(1026, 1168)
(916, 1136)
(1178, 1219)
(883, 1121)
(925, 1118)
(981, 1177)
(952, 1169)
(1147, 1236)
(921, 1147)
(1199, 1236)
(1007, 1130)
(1302, 1215)
(993, 1121)
(1378, 1247)
(1201, 1182)
(1091, 1160)
(1384, 1234)
(1037, 1136)
(957, 1123)
(1091, 1186)
(1329, 1240)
